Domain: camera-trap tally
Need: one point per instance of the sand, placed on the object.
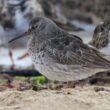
(65, 99)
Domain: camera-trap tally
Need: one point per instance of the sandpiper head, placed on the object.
(34, 24)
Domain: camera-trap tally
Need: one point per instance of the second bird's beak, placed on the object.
(23, 35)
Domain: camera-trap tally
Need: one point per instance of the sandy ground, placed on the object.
(65, 99)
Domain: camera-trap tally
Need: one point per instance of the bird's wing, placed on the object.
(69, 49)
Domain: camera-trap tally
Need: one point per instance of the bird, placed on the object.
(101, 38)
(61, 56)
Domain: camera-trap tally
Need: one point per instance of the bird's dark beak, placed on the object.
(23, 35)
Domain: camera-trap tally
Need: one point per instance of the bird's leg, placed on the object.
(12, 60)
(70, 84)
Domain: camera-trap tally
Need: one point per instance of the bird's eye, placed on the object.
(33, 27)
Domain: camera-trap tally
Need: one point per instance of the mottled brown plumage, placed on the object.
(100, 37)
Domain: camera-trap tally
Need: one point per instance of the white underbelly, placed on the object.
(65, 73)
(60, 72)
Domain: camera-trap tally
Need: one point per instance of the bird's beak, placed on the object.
(23, 35)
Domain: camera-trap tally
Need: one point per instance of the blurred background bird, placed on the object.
(101, 37)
